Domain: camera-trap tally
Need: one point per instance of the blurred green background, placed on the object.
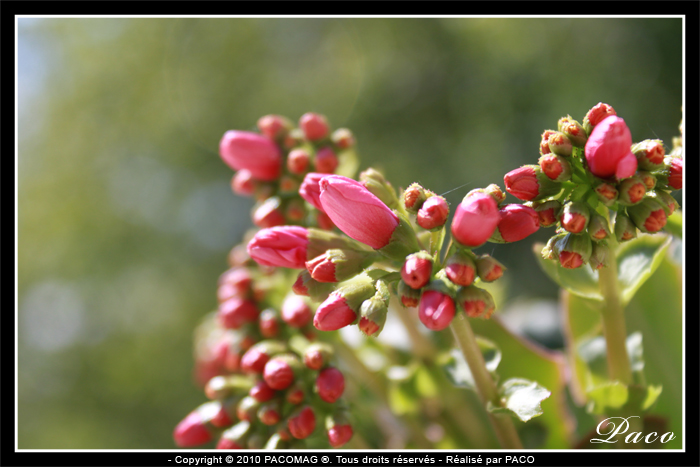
(125, 210)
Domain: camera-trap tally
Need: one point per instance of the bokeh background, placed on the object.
(125, 209)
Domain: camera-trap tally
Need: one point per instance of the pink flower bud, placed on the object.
(283, 246)
(261, 392)
(517, 222)
(314, 126)
(253, 152)
(333, 314)
(310, 189)
(607, 193)
(555, 167)
(608, 150)
(356, 211)
(575, 217)
(274, 126)
(649, 216)
(191, 431)
(330, 384)
(475, 220)
(302, 424)
(559, 144)
(675, 176)
(227, 444)
(339, 435)
(295, 311)
(269, 214)
(574, 250)
(632, 191)
(417, 270)
(326, 161)
(295, 394)
(316, 356)
(236, 311)
(547, 212)
(409, 297)
(650, 154)
(298, 161)
(343, 138)
(269, 414)
(268, 322)
(243, 183)
(414, 197)
(436, 310)
(278, 374)
(433, 214)
(529, 183)
(254, 360)
(489, 268)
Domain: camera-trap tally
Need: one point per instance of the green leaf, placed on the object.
(581, 281)
(592, 351)
(523, 359)
(425, 383)
(456, 367)
(348, 162)
(637, 260)
(521, 397)
(402, 395)
(611, 395)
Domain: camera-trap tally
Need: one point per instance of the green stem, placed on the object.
(614, 328)
(486, 388)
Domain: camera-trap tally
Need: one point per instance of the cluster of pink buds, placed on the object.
(276, 165)
(592, 183)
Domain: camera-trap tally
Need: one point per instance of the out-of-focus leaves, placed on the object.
(457, 370)
(581, 281)
(522, 398)
(674, 223)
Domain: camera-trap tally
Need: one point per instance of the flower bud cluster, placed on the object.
(589, 173)
(273, 166)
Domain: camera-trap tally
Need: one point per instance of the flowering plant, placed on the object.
(333, 253)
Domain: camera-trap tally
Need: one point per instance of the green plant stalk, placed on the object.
(486, 388)
(614, 328)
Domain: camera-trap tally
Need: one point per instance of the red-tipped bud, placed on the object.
(475, 220)
(269, 323)
(274, 126)
(257, 356)
(544, 141)
(298, 161)
(341, 307)
(650, 154)
(236, 311)
(666, 199)
(372, 316)
(295, 311)
(647, 178)
(608, 151)
(433, 214)
(269, 414)
(305, 285)
(573, 131)
(343, 138)
(649, 216)
(517, 222)
(529, 183)
(557, 168)
(414, 197)
(326, 161)
(317, 355)
(575, 216)
(330, 384)
(375, 182)
(675, 172)
(598, 228)
(607, 193)
(460, 268)
(631, 191)
(357, 212)
(436, 310)
(295, 394)
(243, 183)
(269, 213)
(235, 282)
(314, 126)
(302, 423)
(280, 246)
(293, 139)
(409, 297)
(279, 372)
(560, 145)
(599, 256)
(336, 265)
(247, 409)
(253, 152)
(495, 192)
(417, 269)
(597, 114)
(574, 250)
(624, 228)
(192, 430)
(261, 392)
(476, 302)
(489, 268)
(547, 212)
